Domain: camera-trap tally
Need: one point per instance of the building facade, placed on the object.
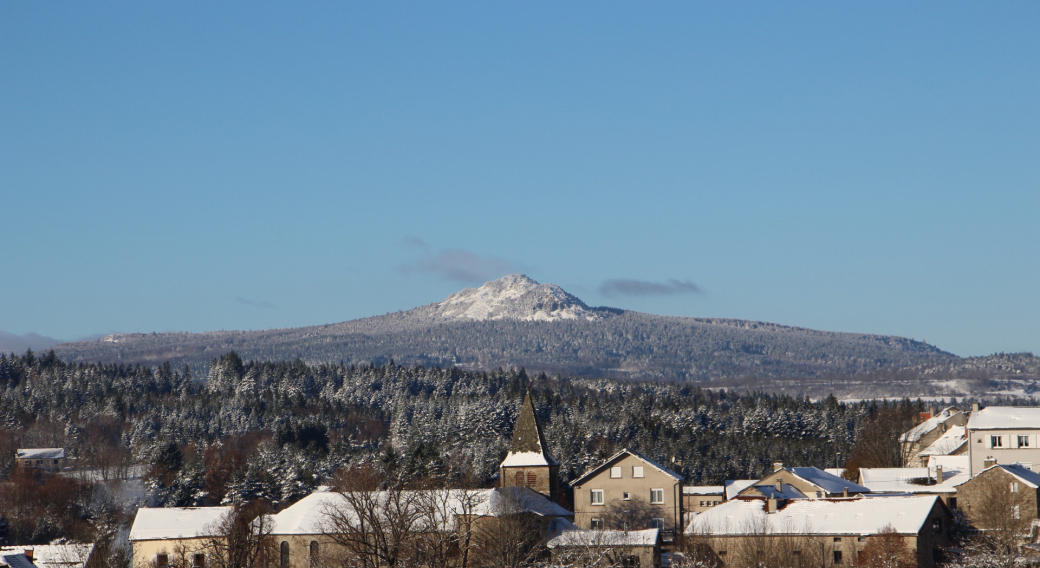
(1006, 434)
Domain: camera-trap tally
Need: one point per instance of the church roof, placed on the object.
(528, 447)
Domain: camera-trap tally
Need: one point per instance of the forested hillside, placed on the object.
(274, 430)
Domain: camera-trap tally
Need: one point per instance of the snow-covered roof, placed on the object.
(948, 443)
(836, 471)
(771, 491)
(163, 523)
(1028, 476)
(827, 481)
(40, 454)
(1005, 417)
(308, 515)
(618, 455)
(704, 489)
(47, 555)
(911, 479)
(859, 516)
(734, 486)
(915, 433)
(597, 538)
(524, 459)
(958, 463)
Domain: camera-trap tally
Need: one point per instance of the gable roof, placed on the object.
(735, 486)
(1005, 417)
(1023, 473)
(606, 463)
(40, 454)
(827, 481)
(596, 538)
(161, 523)
(528, 447)
(915, 433)
(858, 516)
(948, 443)
(307, 515)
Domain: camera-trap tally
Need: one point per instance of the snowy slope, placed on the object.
(513, 297)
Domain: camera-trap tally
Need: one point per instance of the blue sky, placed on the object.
(194, 166)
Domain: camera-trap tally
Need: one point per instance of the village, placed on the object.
(965, 472)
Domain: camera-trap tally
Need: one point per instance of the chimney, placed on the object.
(779, 485)
(29, 554)
(938, 474)
(974, 407)
(777, 466)
(990, 461)
(845, 492)
(771, 506)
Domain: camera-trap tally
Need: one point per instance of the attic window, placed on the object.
(615, 472)
(637, 471)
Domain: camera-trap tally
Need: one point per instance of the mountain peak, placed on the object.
(515, 296)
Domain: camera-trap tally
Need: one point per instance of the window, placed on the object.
(596, 497)
(1023, 441)
(837, 557)
(626, 495)
(819, 494)
(936, 525)
(1014, 487)
(161, 559)
(657, 523)
(198, 561)
(597, 524)
(28, 462)
(702, 503)
(837, 539)
(519, 479)
(861, 539)
(953, 502)
(615, 472)
(996, 441)
(315, 553)
(283, 558)
(656, 496)
(797, 554)
(630, 562)
(722, 553)
(637, 471)
(1016, 512)
(532, 479)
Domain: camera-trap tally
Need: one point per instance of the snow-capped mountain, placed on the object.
(514, 297)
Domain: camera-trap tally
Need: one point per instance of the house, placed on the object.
(606, 548)
(47, 459)
(820, 532)
(529, 462)
(801, 483)
(700, 498)
(181, 535)
(629, 491)
(939, 481)
(1006, 434)
(932, 427)
(999, 493)
(301, 531)
(49, 556)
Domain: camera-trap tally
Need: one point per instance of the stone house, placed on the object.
(920, 439)
(831, 533)
(180, 536)
(1006, 434)
(1001, 492)
(629, 491)
(607, 548)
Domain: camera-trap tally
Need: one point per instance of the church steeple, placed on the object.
(529, 462)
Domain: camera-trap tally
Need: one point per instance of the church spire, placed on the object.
(528, 447)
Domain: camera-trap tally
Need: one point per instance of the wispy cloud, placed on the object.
(255, 304)
(456, 264)
(629, 287)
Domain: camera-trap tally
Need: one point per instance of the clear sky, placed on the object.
(866, 167)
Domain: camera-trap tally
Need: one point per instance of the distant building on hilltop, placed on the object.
(47, 459)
